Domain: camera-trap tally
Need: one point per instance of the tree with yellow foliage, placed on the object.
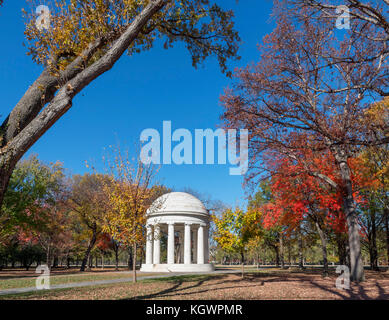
(234, 229)
(130, 193)
(376, 160)
(86, 38)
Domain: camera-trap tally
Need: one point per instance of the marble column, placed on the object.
(187, 244)
(200, 245)
(194, 237)
(149, 245)
(180, 257)
(170, 244)
(157, 244)
(206, 244)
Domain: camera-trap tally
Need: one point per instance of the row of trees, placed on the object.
(294, 211)
(49, 217)
(300, 201)
(315, 103)
(84, 40)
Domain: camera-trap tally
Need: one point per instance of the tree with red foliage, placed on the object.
(50, 230)
(301, 197)
(104, 244)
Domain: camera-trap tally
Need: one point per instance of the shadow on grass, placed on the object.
(360, 294)
(257, 279)
(178, 281)
(194, 286)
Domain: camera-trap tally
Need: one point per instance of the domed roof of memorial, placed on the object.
(177, 202)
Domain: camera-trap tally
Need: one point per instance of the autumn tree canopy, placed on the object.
(33, 186)
(130, 190)
(88, 202)
(304, 93)
(86, 38)
(373, 13)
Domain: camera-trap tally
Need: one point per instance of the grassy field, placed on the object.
(19, 279)
(264, 284)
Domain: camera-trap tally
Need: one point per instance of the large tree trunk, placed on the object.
(28, 121)
(323, 239)
(88, 251)
(357, 273)
(6, 168)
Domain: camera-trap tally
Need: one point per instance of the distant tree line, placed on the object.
(54, 219)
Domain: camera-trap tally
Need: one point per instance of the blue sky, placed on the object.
(138, 93)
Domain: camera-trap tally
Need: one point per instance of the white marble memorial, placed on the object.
(185, 221)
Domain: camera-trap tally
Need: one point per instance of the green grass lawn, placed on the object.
(74, 292)
(29, 281)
